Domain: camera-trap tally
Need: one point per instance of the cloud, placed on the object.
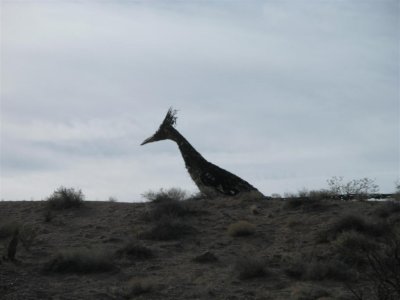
(283, 93)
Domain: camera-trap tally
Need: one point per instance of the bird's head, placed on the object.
(163, 132)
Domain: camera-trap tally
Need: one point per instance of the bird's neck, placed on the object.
(190, 155)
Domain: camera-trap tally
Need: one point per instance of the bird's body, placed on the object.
(211, 180)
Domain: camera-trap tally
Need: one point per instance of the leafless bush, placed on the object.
(361, 188)
(382, 271)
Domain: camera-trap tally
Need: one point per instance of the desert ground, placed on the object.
(201, 248)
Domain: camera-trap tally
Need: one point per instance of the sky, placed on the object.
(285, 94)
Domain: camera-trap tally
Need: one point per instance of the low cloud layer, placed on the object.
(285, 94)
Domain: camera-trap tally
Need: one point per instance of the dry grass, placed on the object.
(387, 209)
(351, 246)
(7, 228)
(79, 261)
(304, 203)
(315, 269)
(250, 267)
(352, 222)
(241, 228)
(138, 286)
(28, 235)
(135, 251)
(206, 257)
(184, 247)
(167, 228)
(300, 292)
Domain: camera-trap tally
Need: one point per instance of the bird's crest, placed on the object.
(170, 118)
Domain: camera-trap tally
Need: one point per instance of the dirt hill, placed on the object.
(201, 249)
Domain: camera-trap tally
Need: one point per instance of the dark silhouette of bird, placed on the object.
(211, 180)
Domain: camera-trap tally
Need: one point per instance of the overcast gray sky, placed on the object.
(285, 94)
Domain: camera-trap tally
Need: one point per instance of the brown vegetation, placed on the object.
(175, 248)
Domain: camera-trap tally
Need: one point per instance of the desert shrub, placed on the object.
(27, 236)
(384, 268)
(351, 247)
(7, 228)
(64, 198)
(112, 199)
(79, 261)
(320, 194)
(360, 188)
(26, 233)
(134, 250)
(241, 228)
(167, 228)
(136, 287)
(307, 200)
(167, 208)
(304, 202)
(353, 223)
(48, 215)
(250, 267)
(287, 196)
(162, 195)
(302, 193)
(316, 270)
(397, 191)
(382, 271)
(387, 208)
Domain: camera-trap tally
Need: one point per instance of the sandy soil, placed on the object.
(281, 233)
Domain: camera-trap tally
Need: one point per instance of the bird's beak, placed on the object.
(148, 140)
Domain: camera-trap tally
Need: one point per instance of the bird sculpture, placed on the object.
(211, 180)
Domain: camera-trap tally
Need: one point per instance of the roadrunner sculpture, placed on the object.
(211, 180)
